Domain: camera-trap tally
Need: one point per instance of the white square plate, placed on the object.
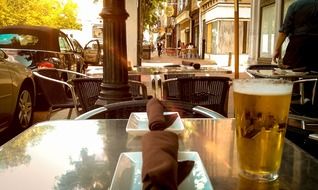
(138, 123)
(128, 172)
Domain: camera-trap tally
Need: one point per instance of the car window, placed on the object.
(77, 46)
(64, 44)
(18, 40)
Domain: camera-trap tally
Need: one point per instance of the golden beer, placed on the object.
(261, 112)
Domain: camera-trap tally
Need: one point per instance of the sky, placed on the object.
(87, 10)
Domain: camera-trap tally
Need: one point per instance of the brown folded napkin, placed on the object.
(156, 119)
(161, 169)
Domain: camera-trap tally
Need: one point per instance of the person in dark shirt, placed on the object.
(301, 27)
(159, 48)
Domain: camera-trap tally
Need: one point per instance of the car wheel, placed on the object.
(24, 110)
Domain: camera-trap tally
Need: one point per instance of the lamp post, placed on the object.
(114, 87)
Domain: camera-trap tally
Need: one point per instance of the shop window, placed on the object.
(215, 36)
(223, 35)
(267, 25)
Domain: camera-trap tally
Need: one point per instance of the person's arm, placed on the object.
(280, 39)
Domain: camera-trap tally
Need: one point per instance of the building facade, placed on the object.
(209, 26)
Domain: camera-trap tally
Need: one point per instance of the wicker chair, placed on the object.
(209, 91)
(58, 93)
(170, 89)
(122, 110)
(137, 89)
(87, 90)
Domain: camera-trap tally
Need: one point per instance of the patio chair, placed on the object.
(58, 93)
(137, 88)
(122, 110)
(303, 117)
(88, 89)
(209, 91)
(170, 89)
(306, 112)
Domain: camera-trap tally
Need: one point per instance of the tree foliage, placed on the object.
(150, 12)
(54, 13)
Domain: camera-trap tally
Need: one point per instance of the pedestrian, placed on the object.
(301, 27)
(159, 48)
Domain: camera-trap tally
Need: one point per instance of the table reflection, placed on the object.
(83, 154)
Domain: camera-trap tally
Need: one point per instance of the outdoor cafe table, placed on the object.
(281, 73)
(164, 68)
(83, 154)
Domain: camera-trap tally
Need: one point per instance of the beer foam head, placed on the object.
(262, 86)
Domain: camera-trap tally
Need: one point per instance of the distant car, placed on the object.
(41, 46)
(17, 93)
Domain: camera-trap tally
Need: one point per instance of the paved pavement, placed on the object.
(156, 61)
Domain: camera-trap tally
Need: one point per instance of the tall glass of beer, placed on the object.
(261, 109)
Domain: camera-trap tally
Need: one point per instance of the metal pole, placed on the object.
(114, 87)
(236, 39)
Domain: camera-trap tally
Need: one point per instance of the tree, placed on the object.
(150, 10)
(54, 13)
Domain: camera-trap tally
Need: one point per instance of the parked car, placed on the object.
(17, 93)
(41, 46)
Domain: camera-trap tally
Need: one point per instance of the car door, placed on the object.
(92, 53)
(5, 92)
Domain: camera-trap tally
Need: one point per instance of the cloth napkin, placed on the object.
(156, 119)
(161, 169)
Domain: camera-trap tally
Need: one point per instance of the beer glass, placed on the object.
(261, 109)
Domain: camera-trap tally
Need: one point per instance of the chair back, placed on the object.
(137, 89)
(170, 89)
(58, 93)
(55, 93)
(209, 91)
(87, 91)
